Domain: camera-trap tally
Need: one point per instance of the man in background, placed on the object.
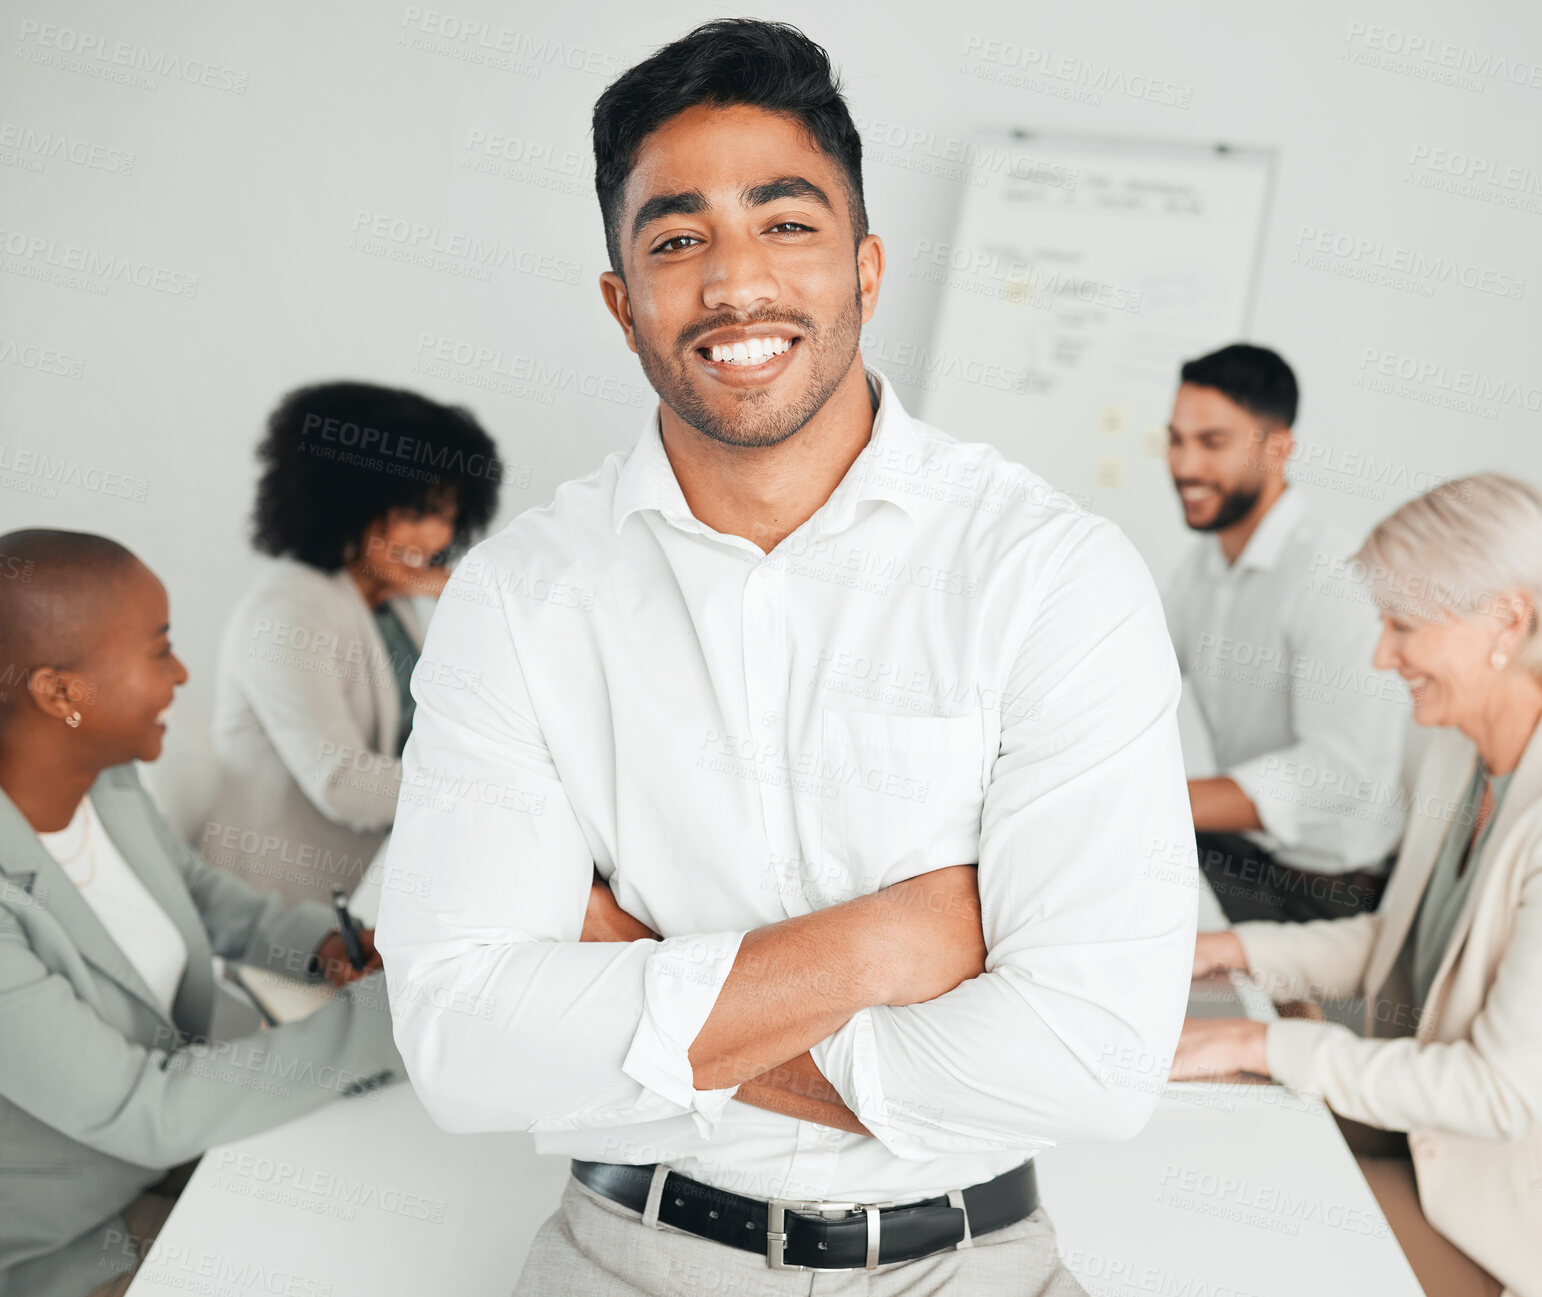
(1308, 739)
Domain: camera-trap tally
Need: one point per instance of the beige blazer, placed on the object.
(1467, 1084)
(305, 729)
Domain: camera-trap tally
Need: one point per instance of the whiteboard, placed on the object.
(1081, 274)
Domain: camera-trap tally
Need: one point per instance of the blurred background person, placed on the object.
(1306, 811)
(108, 928)
(365, 493)
(1441, 1099)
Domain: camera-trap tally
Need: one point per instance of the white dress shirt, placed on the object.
(133, 918)
(1277, 648)
(947, 663)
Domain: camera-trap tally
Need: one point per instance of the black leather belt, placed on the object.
(793, 1234)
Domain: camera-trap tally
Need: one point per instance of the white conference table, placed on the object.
(1230, 1191)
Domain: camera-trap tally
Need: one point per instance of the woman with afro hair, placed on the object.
(365, 494)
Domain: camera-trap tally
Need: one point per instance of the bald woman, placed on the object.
(108, 924)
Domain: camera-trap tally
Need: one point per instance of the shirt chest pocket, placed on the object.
(901, 794)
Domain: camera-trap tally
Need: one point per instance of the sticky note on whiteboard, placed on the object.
(1114, 420)
(1109, 472)
(1153, 443)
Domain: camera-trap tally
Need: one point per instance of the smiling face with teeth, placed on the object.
(134, 672)
(125, 679)
(92, 626)
(1227, 464)
(1447, 658)
(744, 292)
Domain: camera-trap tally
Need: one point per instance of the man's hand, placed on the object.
(797, 1088)
(605, 920)
(1215, 952)
(909, 942)
(332, 958)
(1221, 1049)
(931, 932)
(930, 942)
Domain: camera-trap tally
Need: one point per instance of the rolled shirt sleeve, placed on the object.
(505, 1019)
(1069, 1033)
(681, 981)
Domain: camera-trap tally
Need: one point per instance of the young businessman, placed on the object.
(1308, 735)
(785, 694)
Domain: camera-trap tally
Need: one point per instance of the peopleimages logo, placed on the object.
(1431, 58)
(507, 48)
(920, 148)
(1396, 266)
(484, 364)
(39, 257)
(1437, 383)
(455, 251)
(1515, 185)
(1010, 63)
(96, 56)
(38, 147)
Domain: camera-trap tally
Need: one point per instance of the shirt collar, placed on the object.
(894, 452)
(1269, 538)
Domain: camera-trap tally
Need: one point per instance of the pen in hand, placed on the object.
(345, 926)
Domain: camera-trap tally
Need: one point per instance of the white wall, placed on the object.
(318, 113)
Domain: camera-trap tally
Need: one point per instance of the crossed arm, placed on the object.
(932, 1051)
(795, 982)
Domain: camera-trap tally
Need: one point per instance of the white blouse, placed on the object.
(132, 917)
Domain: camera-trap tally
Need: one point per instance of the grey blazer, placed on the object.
(101, 1092)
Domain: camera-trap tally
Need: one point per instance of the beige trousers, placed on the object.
(593, 1247)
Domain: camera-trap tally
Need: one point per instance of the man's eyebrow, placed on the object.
(691, 201)
(660, 205)
(772, 191)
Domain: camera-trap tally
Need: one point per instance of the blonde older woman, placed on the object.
(1443, 1092)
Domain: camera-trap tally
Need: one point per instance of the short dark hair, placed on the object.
(726, 62)
(54, 586)
(337, 456)
(1255, 378)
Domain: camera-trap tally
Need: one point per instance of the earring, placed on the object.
(73, 720)
(1497, 660)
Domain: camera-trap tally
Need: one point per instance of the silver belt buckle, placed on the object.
(776, 1229)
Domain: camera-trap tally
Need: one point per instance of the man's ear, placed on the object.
(870, 263)
(1279, 442)
(619, 303)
